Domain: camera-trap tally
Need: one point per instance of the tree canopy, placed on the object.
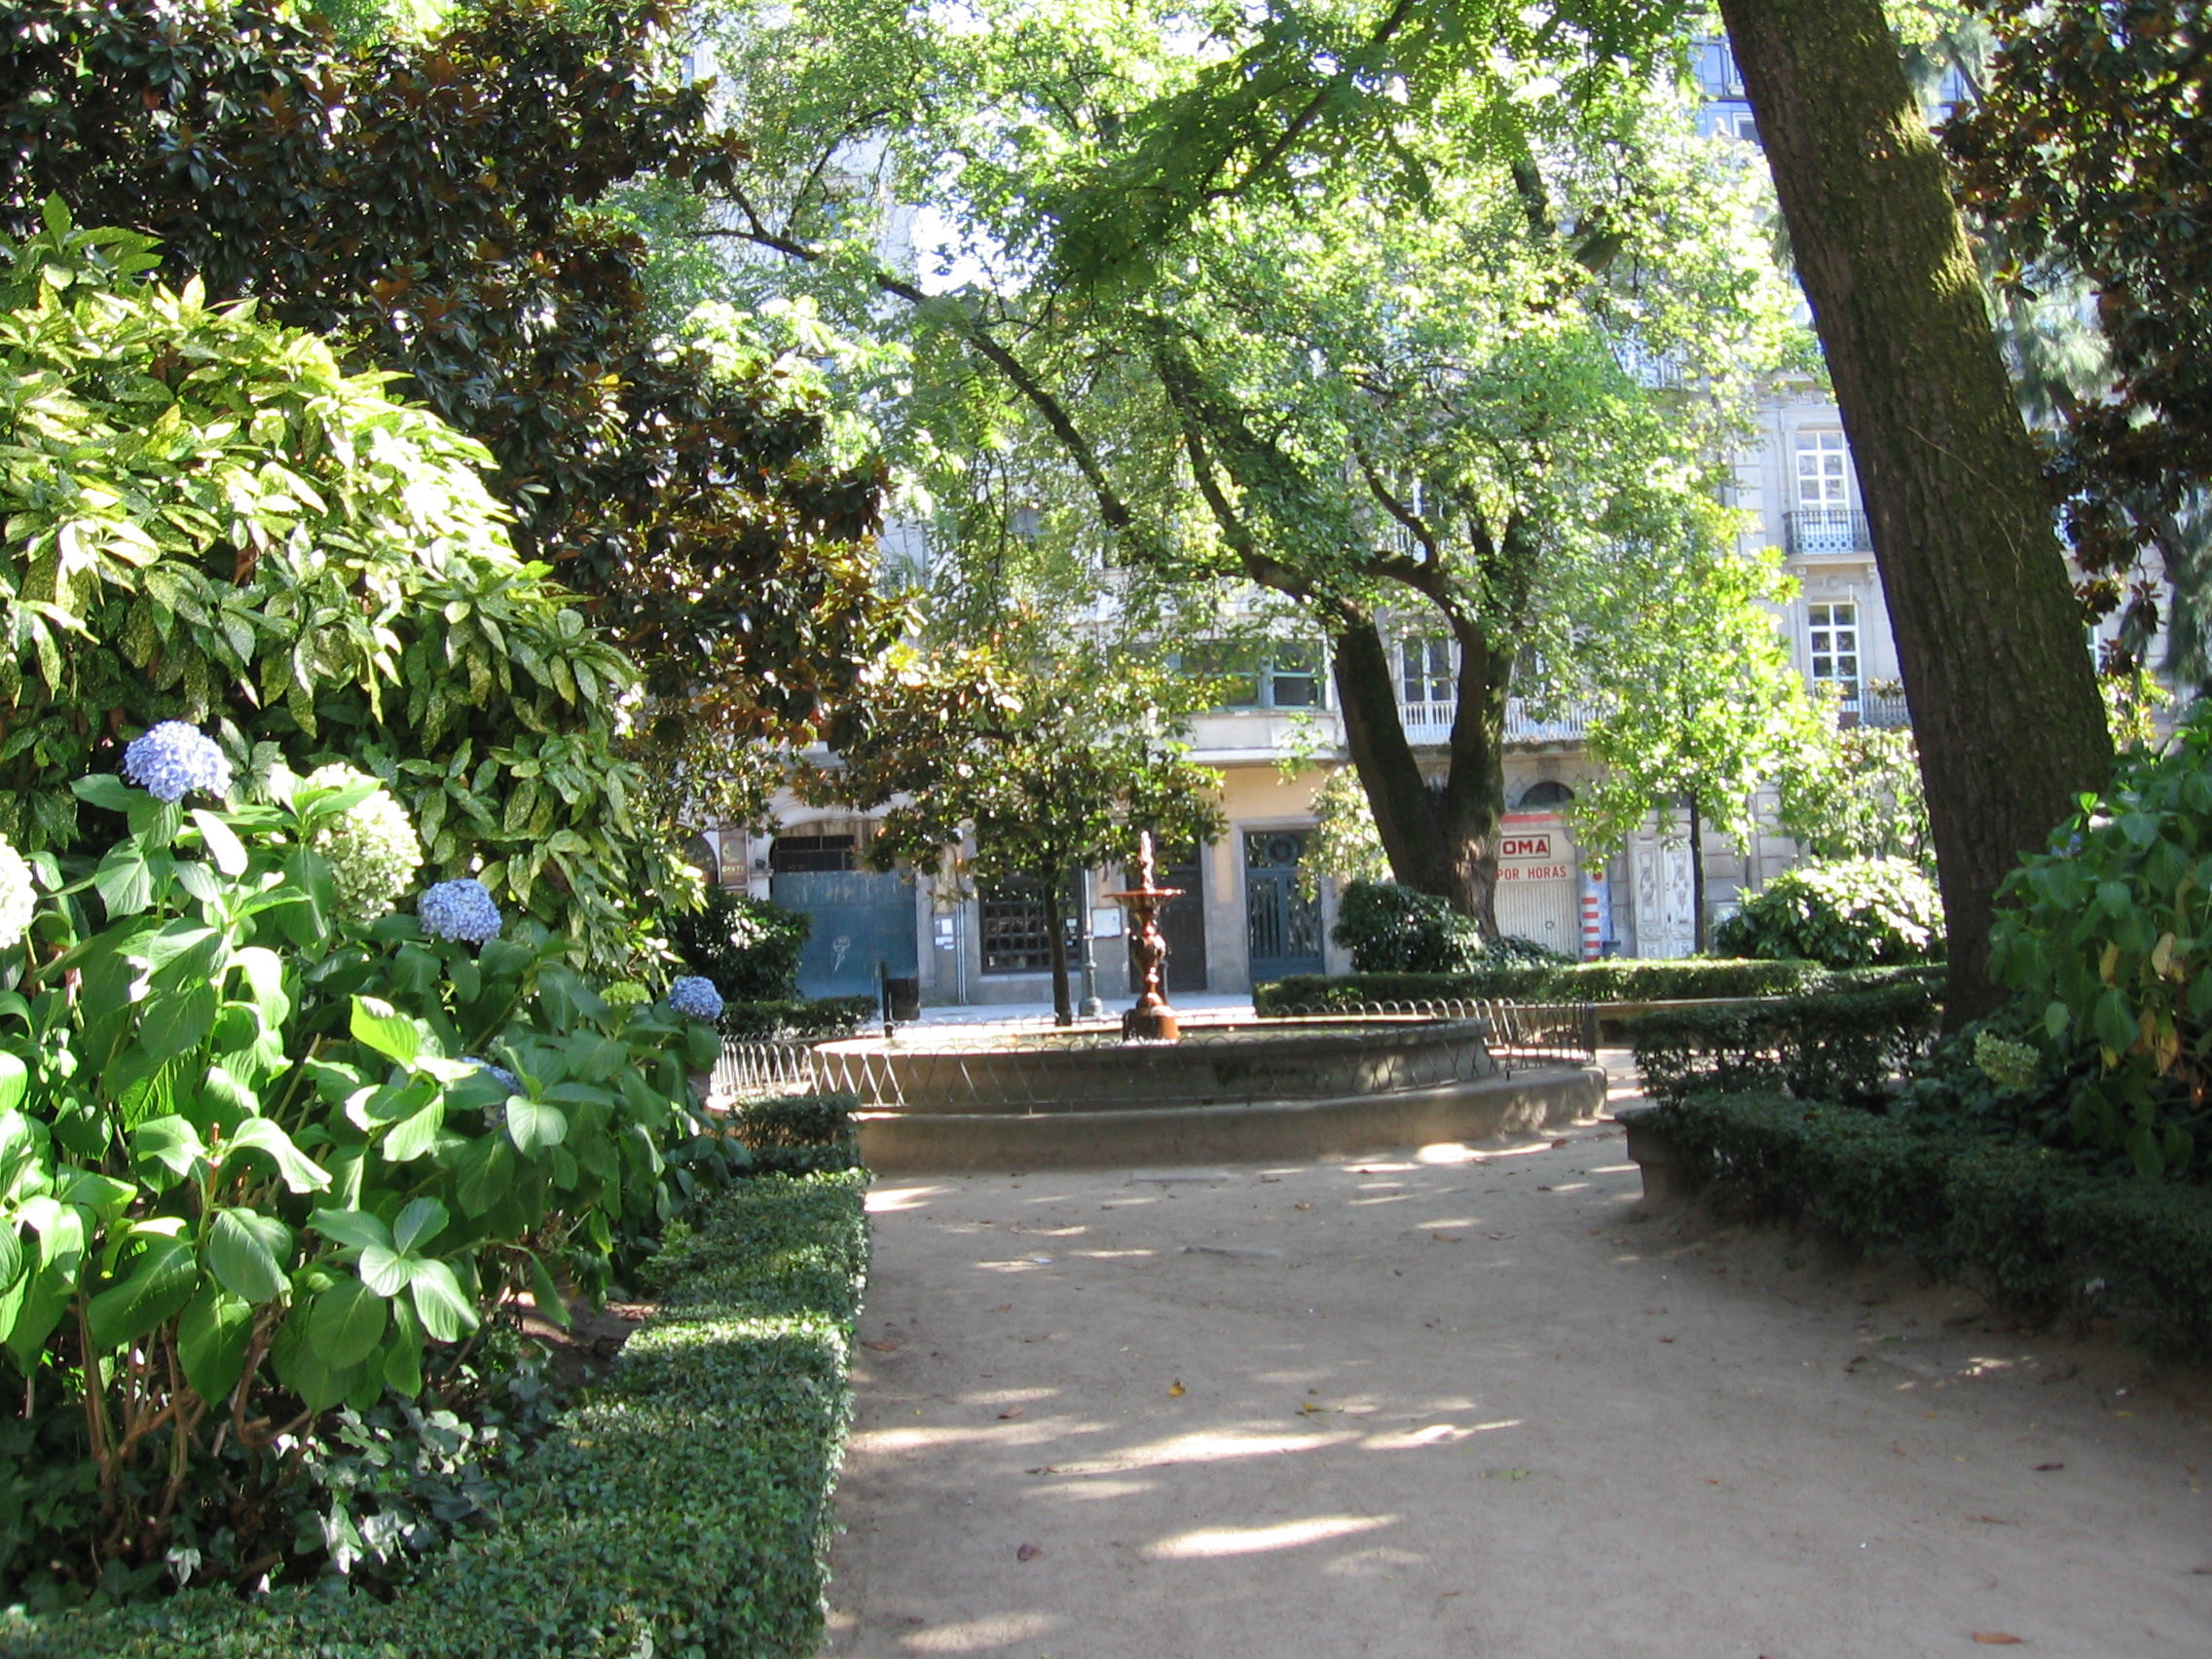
(1418, 390)
(441, 204)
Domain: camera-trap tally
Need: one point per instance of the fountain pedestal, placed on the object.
(1150, 1019)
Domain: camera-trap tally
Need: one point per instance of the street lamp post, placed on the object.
(1090, 1007)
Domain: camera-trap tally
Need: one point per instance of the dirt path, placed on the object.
(1462, 1403)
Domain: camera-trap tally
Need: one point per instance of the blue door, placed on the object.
(863, 919)
(1283, 926)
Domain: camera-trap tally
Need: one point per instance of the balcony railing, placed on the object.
(1431, 722)
(1875, 709)
(1826, 529)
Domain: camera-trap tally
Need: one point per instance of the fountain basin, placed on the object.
(1092, 1069)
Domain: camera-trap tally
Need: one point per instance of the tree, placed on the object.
(2002, 696)
(1703, 717)
(1855, 793)
(1387, 416)
(208, 520)
(438, 205)
(2085, 159)
(1053, 766)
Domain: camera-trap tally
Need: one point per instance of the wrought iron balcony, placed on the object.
(1883, 708)
(1826, 529)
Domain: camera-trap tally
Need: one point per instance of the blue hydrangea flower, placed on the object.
(459, 909)
(696, 997)
(171, 759)
(499, 1074)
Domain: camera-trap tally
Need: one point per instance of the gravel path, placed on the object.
(1471, 1401)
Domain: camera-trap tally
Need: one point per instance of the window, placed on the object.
(1012, 929)
(1425, 670)
(788, 854)
(1833, 638)
(1293, 677)
(1716, 71)
(1234, 662)
(1824, 471)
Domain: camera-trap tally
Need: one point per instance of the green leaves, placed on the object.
(247, 1252)
(392, 1035)
(262, 1136)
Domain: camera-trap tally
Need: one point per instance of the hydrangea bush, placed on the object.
(371, 846)
(261, 1157)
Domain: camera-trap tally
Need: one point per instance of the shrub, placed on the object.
(208, 520)
(1617, 980)
(1832, 1044)
(797, 1020)
(748, 946)
(798, 1134)
(262, 1159)
(1394, 929)
(2103, 941)
(1857, 913)
(2035, 1228)
(685, 1508)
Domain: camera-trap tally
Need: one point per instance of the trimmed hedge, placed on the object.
(1621, 980)
(1831, 1045)
(797, 1134)
(683, 1509)
(2033, 1229)
(800, 1017)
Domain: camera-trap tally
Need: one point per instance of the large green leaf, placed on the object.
(533, 1124)
(416, 1136)
(168, 1144)
(300, 1173)
(347, 1322)
(13, 1080)
(377, 1026)
(352, 1226)
(387, 1271)
(248, 1253)
(156, 1280)
(211, 1337)
(447, 1313)
(423, 1220)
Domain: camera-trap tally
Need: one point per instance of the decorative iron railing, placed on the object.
(1826, 529)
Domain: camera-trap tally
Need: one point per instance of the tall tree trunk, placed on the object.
(1697, 876)
(1056, 944)
(1441, 840)
(1997, 672)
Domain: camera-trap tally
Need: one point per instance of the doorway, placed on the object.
(1283, 926)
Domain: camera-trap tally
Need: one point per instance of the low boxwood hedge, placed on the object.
(681, 1509)
(1621, 980)
(1841, 1042)
(2032, 1228)
(797, 1134)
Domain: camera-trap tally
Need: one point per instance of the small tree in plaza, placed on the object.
(1698, 709)
(1052, 765)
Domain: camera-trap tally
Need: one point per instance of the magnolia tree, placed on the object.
(209, 519)
(1052, 767)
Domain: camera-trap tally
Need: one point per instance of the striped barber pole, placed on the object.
(1592, 921)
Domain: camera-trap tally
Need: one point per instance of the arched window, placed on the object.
(1549, 792)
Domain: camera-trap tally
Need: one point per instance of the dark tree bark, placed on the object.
(1439, 839)
(1997, 670)
(1056, 944)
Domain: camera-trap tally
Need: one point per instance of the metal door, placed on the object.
(1283, 926)
(1183, 922)
(861, 918)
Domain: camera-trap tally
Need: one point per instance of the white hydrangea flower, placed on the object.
(18, 896)
(373, 851)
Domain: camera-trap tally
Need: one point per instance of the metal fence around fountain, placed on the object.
(1520, 1035)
